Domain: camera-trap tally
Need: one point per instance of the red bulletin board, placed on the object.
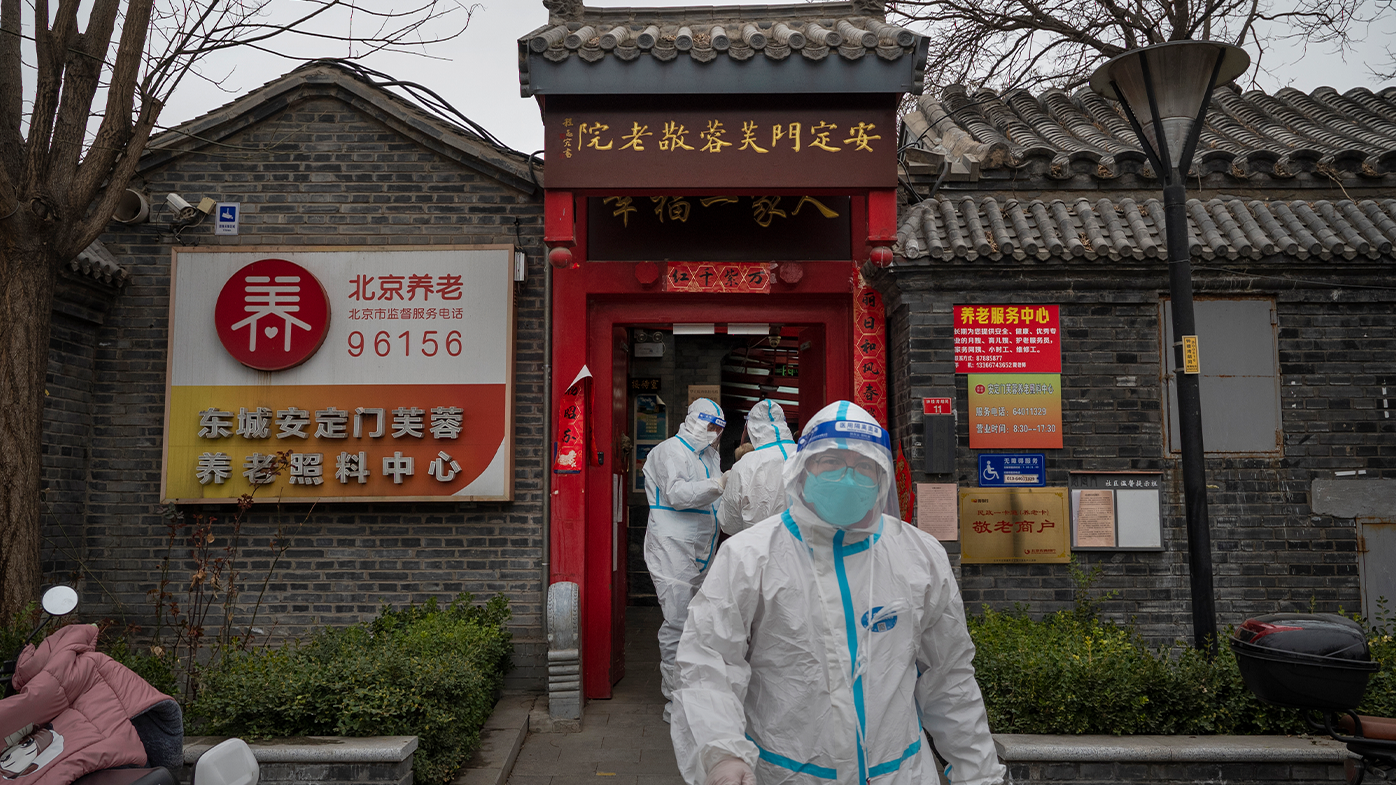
(1007, 339)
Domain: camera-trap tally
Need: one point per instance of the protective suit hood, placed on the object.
(841, 425)
(694, 429)
(765, 424)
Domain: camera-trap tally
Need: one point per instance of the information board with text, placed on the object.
(339, 374)
(1007, 339)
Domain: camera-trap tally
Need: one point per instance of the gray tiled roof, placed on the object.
(328, 79)
(1278, 136)
(814, 31)
(97, 262)
(969, 228)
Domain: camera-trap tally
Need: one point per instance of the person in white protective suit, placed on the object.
(755, 488)
(683, 480)
(825, 638)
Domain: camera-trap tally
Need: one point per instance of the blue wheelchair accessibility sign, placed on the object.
(1005, 470)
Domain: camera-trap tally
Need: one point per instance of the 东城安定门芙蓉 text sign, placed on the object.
(323, 375)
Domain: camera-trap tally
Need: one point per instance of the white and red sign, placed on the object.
(330, 375)
(1007, 339)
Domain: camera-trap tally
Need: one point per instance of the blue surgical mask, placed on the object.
(840, 502)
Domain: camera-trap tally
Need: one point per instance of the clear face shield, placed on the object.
(704, 421)
(843, 472)
(713, 423)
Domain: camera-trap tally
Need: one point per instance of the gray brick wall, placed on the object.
(1270, 552)
(80, 306)
(317, 173)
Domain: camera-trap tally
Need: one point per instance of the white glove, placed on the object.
(730, 771)
(722, 481)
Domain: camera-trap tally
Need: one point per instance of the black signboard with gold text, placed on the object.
(718, 228)
(742, 143)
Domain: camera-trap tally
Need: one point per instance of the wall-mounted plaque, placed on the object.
(1116, 511)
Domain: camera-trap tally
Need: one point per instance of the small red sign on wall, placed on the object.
(1007, 339)
(937, 405)
(718, 278)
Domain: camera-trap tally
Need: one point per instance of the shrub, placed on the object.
(1071, 674)
(14, 630)
(150, 663)
(424, 671)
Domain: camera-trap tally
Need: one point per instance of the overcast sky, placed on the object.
(478, 72)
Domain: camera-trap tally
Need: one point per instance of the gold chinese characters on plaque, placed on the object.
(676, 142)
(1014, 526)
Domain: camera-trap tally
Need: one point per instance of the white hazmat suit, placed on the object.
(817, 652)
(755, 488)
(683, 480)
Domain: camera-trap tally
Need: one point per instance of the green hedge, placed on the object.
(424, 671)
(1070, 673)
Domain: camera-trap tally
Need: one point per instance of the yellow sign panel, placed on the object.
(1191, 363)
(1015, 411)
(1014, 526)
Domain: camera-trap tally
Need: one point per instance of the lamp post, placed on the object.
(1165, 90)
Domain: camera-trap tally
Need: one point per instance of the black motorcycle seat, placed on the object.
(155, 776)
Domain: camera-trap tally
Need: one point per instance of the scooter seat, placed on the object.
(1372, 727)
(155, 776)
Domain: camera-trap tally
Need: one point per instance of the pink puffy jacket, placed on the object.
(81, 704)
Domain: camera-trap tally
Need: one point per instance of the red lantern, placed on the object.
(560, 258)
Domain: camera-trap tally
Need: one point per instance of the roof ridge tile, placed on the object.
(965, 228)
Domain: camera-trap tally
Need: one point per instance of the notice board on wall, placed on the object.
(1015, 411)
(1116, 511)
(1007, 339)
(651, 420)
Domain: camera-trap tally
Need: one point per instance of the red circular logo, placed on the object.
(979, 389)
(272, 315)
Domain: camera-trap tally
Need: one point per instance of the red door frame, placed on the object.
(591, 298)
(589, 301)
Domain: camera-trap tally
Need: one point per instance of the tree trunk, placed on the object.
(29, 274)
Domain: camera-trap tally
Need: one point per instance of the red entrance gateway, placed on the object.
(734, 166)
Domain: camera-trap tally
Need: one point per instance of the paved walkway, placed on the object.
(623, 740)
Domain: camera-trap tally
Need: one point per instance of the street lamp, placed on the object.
(1165, 90)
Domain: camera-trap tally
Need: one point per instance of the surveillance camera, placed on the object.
(177, 203)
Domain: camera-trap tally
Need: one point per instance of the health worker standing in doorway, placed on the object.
(825, 638)
(683, 481)
(755, 490)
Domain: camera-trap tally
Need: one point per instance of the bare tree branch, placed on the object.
(1057, 43)
(101, 72)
